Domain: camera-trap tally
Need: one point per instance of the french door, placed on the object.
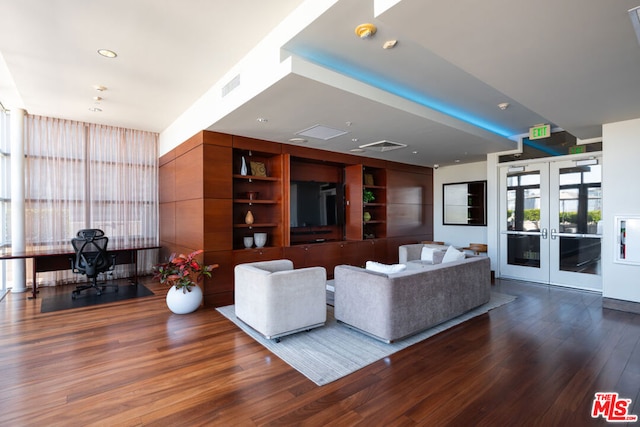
(550, 222)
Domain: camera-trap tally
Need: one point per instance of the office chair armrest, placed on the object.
(73, 265)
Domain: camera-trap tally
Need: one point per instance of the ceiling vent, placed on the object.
(234, 83)
(321, 132)
(383, 146)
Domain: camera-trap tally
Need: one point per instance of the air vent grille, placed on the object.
(383, 145)
(321, 132)
(234, 83)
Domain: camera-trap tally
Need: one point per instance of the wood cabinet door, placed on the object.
(353, 196)
(244, 256)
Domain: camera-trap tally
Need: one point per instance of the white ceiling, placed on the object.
(574, 64)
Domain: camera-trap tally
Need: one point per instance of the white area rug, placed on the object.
(328, 353)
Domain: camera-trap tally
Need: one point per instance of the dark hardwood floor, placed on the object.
(536, 361)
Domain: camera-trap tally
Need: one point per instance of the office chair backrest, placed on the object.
(90, 246)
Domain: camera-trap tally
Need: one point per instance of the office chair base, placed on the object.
(99, 289)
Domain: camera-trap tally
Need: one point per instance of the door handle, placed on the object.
(553, 234)
(544, 233)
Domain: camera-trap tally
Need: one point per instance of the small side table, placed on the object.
(477, 248)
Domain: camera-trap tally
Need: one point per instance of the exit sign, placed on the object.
(540, 131)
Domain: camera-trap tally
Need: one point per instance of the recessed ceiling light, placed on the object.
(390, 44)
(298, 140)
(100, 88)
(414, 152)
(95, 109)
(107, 53)
(97, 98)
(503, 106)
(262, 120)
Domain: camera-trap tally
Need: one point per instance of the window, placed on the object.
(80, 175)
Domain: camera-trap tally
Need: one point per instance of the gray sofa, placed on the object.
(390, 307)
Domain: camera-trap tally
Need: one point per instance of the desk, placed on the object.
(60, 260)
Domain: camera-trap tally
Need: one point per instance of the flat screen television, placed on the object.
(316, 204)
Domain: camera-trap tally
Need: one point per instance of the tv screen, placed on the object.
(316, 204)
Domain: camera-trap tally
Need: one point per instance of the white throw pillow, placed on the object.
(426, 254)
(384, 268)
(452, 254)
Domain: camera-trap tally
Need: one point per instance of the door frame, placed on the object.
(500, 201)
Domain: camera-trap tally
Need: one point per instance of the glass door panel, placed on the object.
(576, 231)
(523, 227)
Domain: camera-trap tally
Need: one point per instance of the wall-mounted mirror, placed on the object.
(464, 203)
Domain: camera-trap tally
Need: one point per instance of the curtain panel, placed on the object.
(81, 175)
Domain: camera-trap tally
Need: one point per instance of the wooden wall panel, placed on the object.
(167, 182)
(307, 171)
(218, 226)
(216, 138)
(407, 220)
(258, 145)
(408, 187)
(217, 171)
(189, 174)
(167, 214)
(218, 290)
(190, 223)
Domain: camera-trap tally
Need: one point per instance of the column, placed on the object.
(17, 198)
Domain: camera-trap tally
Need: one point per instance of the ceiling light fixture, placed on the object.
(298, 140)
(634, 14)
(100, 88)
(107, 53)
(503, 106)
(390, 44)
(364, 31)
(95, 109)
(262, 120)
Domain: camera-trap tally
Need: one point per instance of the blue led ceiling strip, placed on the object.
(401, 91)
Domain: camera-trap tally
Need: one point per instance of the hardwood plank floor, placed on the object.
(536, 361)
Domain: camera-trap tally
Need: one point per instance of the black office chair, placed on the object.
(91, 259)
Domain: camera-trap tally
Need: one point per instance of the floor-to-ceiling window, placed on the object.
(5, 195)
(80, 175)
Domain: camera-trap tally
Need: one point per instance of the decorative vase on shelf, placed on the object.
(243, 169)
(248, 218)
(260, 239)
(366, 216)
(248, 242)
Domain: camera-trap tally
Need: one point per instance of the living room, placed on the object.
(298, 66)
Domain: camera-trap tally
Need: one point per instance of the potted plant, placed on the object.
(367, 196)
(182, 273)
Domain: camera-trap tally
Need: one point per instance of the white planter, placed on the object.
(180, 301)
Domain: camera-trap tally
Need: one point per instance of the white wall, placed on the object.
(620, 180)
(458, 235)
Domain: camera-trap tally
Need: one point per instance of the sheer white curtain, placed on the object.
(5, 197)
(83, 175)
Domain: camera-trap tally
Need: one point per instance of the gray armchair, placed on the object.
(276, 300)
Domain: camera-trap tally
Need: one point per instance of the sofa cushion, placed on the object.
(385, 268)
(452, 254)
(426, 254)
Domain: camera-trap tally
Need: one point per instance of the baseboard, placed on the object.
(621, 305)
